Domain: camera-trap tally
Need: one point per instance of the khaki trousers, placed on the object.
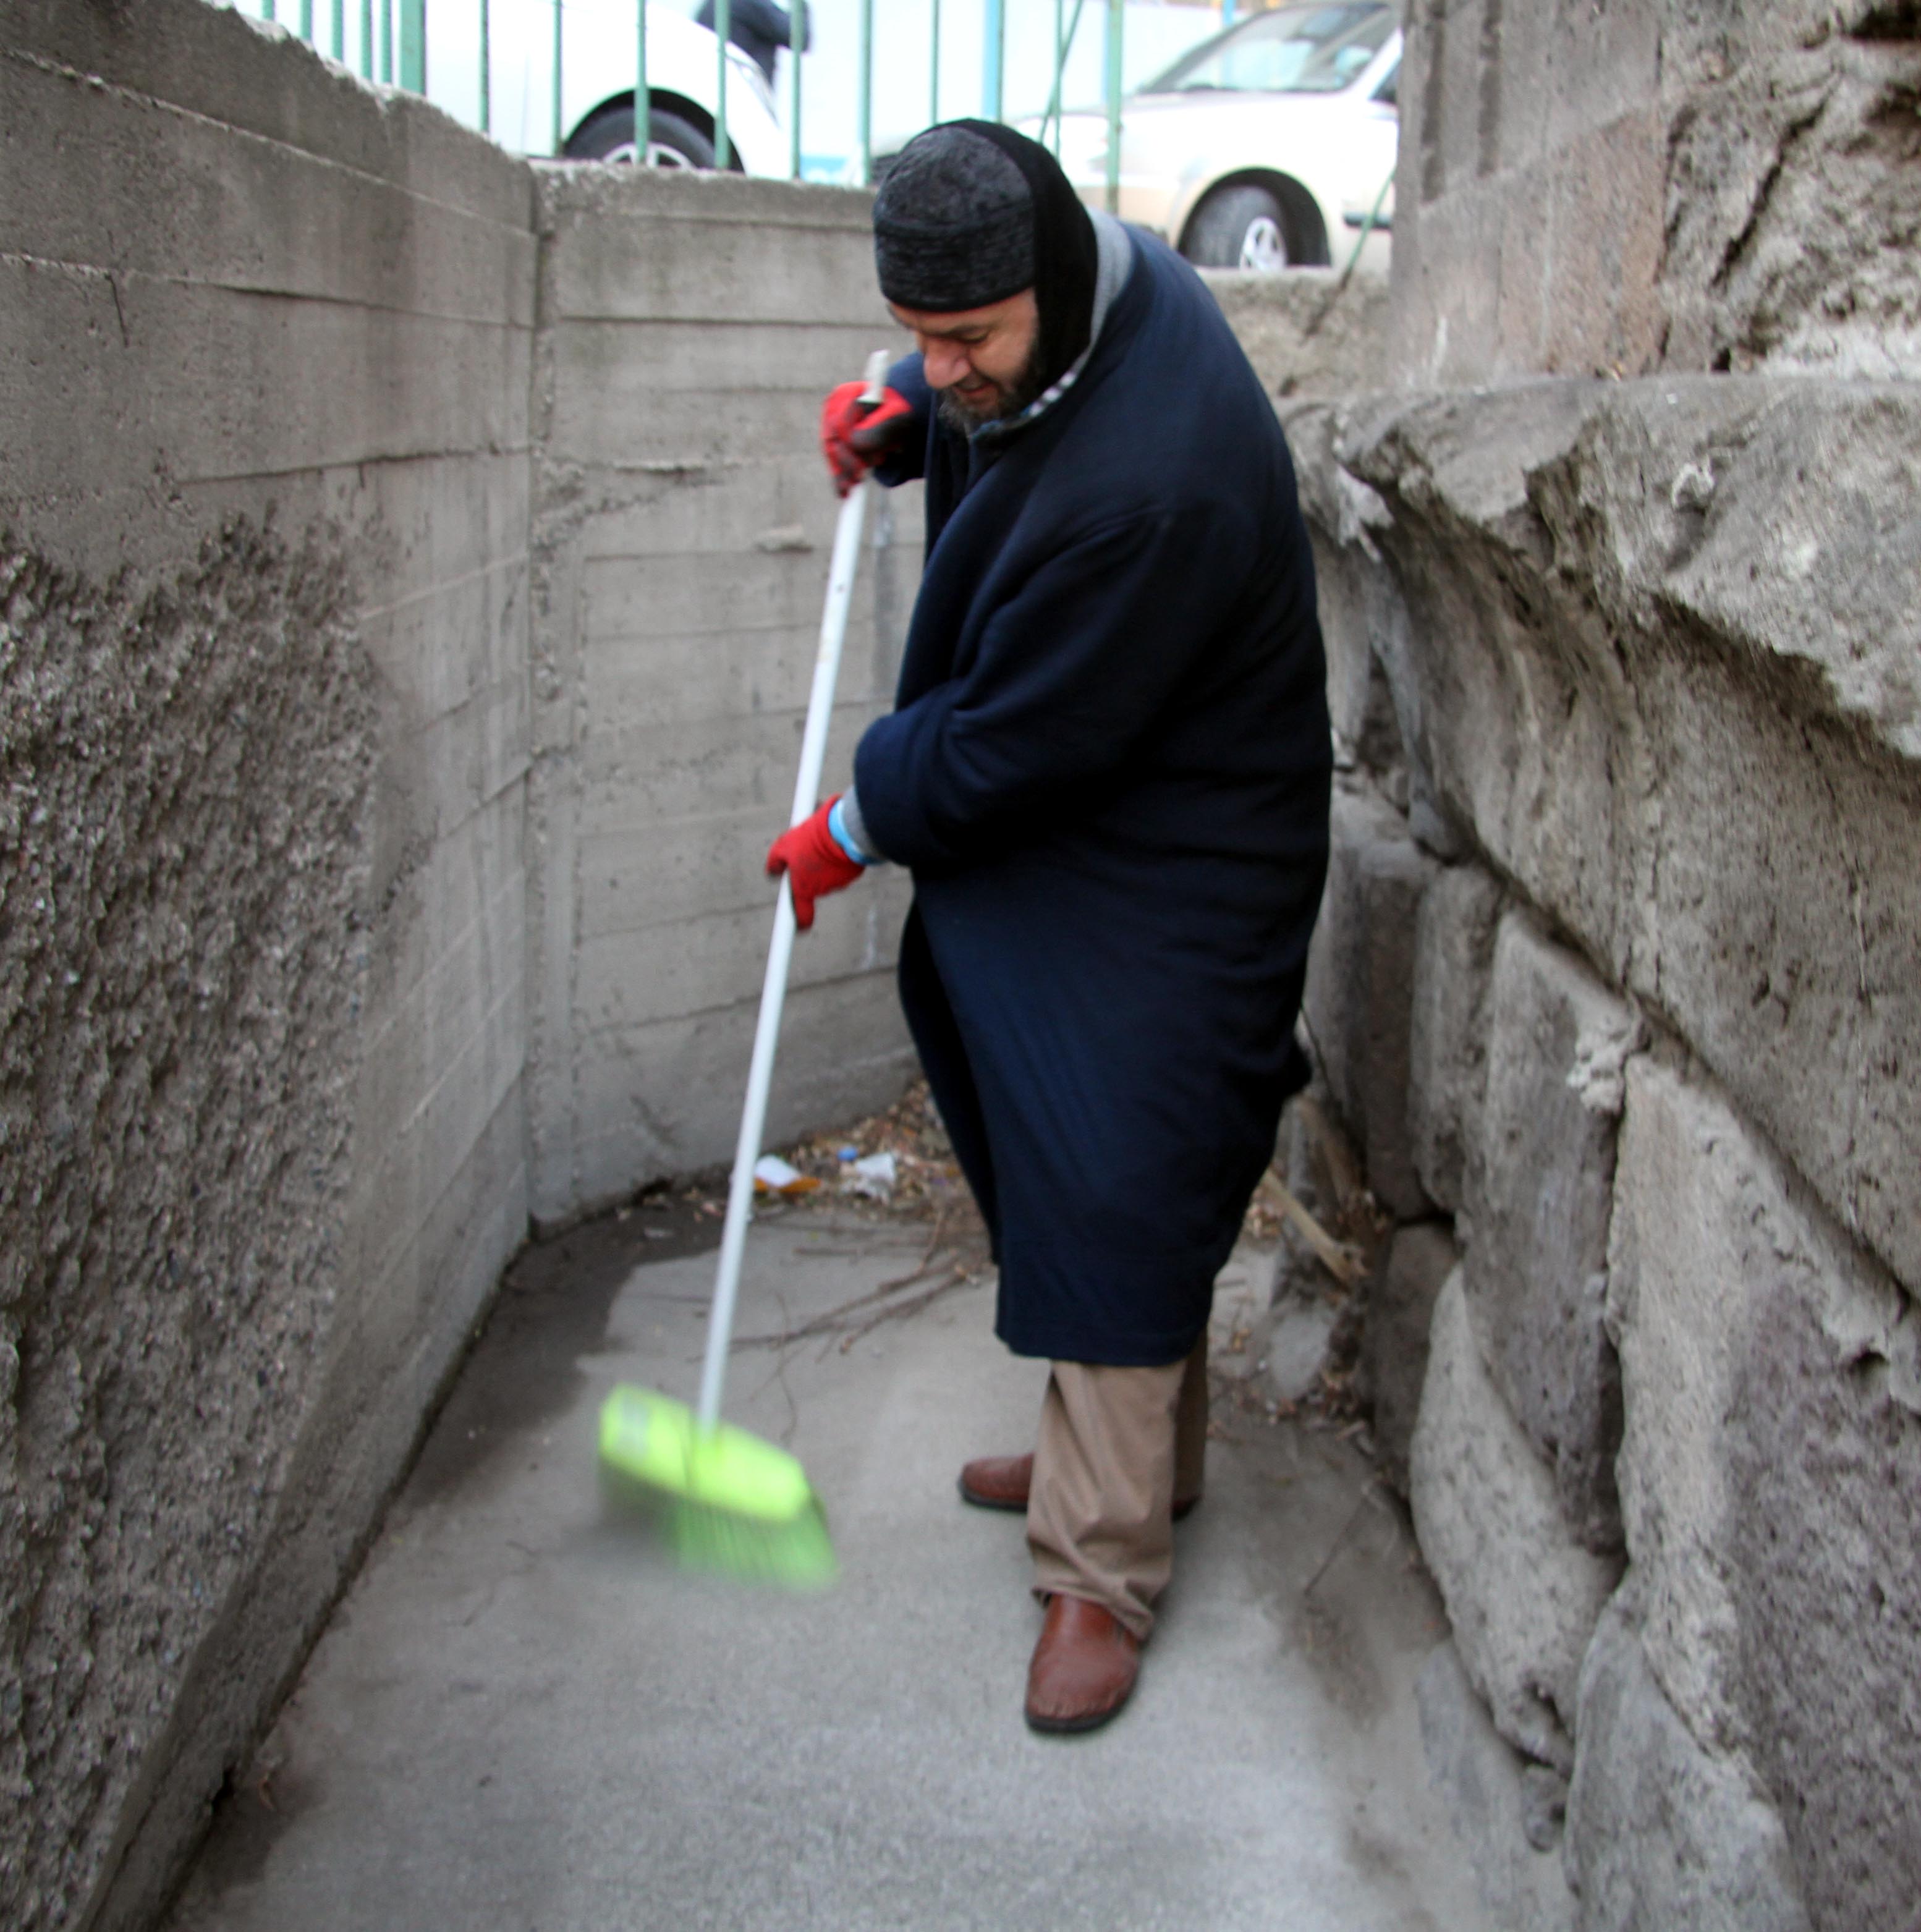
(1116, 1447)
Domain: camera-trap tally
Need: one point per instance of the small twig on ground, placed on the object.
(958, 1277)
(1346, 1264)
(803, 1253)
(1334, 1549)
(927, 1260)
(1336, 1156)
(835, 1320)
(779, 1374)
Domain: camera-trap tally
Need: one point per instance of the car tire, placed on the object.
(1239, 228)
(607, 135)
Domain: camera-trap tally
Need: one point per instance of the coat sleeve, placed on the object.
(909, 462)
(1072, 671)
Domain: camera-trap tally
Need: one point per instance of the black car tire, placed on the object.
(607, 135)
(1239, 228)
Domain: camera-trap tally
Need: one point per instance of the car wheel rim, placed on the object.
(657, 156)
(1263, 247)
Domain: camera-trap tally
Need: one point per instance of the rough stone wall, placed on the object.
(1615, 186)
(681, 530)
(1625, 676)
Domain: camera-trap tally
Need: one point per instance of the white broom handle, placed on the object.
(773, 987)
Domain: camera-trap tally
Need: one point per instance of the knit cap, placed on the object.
(953, 224)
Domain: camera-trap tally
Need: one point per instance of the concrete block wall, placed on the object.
(409, 579)
(264, 372)
(1651, 1030)
(683, 524)
(1610, 190)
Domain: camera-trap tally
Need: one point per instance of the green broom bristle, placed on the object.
(726, 1500)
(796, 1554)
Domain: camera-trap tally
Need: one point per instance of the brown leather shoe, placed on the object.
(997, 1482)
(1002, 1483)
(1083, 1666)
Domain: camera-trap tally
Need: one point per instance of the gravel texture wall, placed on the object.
(401, 618)
(264, 346)
(179, 981)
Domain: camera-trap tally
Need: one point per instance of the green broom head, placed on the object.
(727, 1501)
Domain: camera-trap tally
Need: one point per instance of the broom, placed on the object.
(732, 1501)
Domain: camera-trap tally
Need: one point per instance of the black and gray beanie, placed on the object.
(970, 213)
(953, 224)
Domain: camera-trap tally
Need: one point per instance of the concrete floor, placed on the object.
(520, 1720)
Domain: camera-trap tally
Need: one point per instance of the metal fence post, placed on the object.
(266, 10)
(934, 70)
(387, 43)
(723, 22)
(1063, 47)
(1060, 62)
(866, 92)
(994, 59)
(306, 20)
(339, 32)
(1116, 14)
(413, 46)
(560, 105)
(366, 39)
(642, 98)
(486, 71)
(797, 45)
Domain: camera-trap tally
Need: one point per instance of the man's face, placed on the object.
(984, 362)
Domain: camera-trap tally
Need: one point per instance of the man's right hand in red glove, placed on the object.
(814, 861)
(855, 435)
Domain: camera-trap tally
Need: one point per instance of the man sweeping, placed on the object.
(1108, 770)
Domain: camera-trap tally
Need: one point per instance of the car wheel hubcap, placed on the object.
(1263, 246)
(657, 156)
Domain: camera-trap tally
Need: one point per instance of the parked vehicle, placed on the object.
(1265, 147)
(509, 91)
(598, 56)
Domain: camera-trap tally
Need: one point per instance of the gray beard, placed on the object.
(1028, 386)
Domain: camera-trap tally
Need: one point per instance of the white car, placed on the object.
(599, 54)
(1266, 147)
(598, 57)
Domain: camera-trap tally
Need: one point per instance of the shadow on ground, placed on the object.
(521, 1718)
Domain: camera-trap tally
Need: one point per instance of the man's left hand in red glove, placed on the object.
(815, 862)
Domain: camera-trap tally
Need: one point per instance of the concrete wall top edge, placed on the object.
(567, 189)
(265, 82)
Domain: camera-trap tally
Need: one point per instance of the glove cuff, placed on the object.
(844, 821)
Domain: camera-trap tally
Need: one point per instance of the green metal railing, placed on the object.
(412, 39)
(393, 46)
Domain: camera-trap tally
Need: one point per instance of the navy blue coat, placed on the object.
(1109, 769)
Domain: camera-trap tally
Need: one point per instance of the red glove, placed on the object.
(855, 435)
(812, 857)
